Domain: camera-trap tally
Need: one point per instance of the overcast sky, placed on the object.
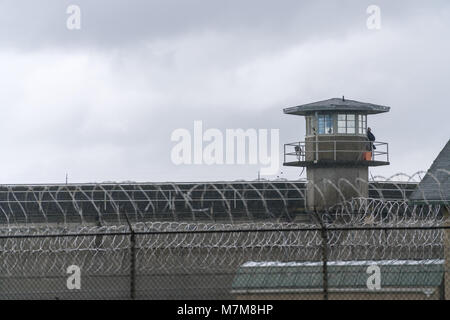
(101, 102)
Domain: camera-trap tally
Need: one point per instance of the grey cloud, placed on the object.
(101, 103)
(115, 23)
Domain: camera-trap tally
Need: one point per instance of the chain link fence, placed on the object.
(241, 240)
(224, 261)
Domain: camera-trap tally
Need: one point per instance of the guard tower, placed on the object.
(336, 152)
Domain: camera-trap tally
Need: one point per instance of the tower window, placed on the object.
(362, 124)
(347, 123)
(326, 124)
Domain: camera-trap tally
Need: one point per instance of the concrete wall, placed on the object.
(348, 147)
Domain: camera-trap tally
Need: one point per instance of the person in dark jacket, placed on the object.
(371, 138)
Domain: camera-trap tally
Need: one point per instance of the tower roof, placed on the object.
(337, 104)
(435, 185)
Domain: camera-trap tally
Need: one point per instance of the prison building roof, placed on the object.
(180, 201)
(337, 104)
(435, 185)
(255, 277)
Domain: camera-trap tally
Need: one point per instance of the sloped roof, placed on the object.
(337, 104)
(435, 185)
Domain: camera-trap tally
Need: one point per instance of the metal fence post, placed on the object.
(133, 265)
(324, 261)
(132, 260)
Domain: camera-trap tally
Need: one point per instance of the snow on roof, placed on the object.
(342, 263)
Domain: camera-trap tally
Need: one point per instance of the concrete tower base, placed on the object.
(332, 185)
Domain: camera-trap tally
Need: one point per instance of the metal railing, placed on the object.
(298, 151)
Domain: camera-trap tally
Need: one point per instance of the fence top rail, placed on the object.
(162, 232)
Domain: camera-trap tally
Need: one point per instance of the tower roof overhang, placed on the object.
(336, 105)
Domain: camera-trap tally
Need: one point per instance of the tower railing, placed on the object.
(336, 150)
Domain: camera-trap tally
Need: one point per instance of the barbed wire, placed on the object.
(367, 211)
(211, 201)
(184, 246)
(245, 222)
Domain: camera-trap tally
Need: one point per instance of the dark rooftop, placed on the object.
(435, 186)
(337, 104)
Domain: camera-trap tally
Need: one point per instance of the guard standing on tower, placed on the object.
(371, 138)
